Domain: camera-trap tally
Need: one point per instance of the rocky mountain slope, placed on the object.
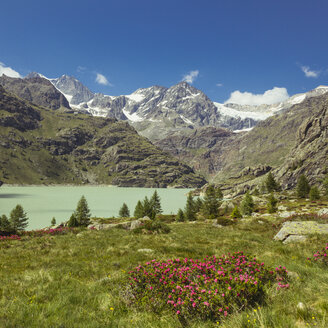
(39, 145)
(35, 89)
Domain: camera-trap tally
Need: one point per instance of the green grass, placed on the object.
(79, 280)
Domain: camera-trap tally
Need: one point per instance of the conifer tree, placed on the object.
(303, 187)
(270, 183)
(272, 204)
(156, 203)
(235, 214)
(53, 221)
(82, 212)
(138, 211)
(5, 224)
(314, 193)
(247, 205)
(124, 211)
(180, 216)
(212, 201)
(18, 219)
(73, 222)
(198, 204)
(148, 209)
(190, 210)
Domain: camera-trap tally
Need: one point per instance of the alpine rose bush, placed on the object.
(321, 256)
(208, 289)
(11, 237)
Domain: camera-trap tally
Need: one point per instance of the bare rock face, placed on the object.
(36, 90)
(309, 156)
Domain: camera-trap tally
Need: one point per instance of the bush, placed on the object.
(224, 221)
(321, 256)
(272, 204)
(303, 187)
(154, 226)
(209, 289)
(180, 216)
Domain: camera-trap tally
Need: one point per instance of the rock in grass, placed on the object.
(293, 231)
(145, 250)
(323, 211)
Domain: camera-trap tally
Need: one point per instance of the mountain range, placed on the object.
(233, 145)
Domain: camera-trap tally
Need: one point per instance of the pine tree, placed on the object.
(272, 204)
(18, 219)
(180, 216)
(5, 224)
(235, 214)
(190, 210)
(53, 221)
(325, 185)
(124, 211)
(270, 183)
(82, 212)
(314, 193)
(148, 209)
(198, 205)
(73, 222)
(212, 202)
(139, 211)
(247, 205)
(155, 202)
(303, 187)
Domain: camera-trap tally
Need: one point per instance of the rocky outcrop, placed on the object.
(36, 90)
(293, 231)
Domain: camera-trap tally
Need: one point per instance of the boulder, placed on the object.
(323, 211)
(293, 231)
(135, 224)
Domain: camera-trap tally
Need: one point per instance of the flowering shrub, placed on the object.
(321, 256)
(52, 232)
(207, 289)
(11, 237)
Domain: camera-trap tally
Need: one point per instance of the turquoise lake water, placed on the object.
(42, 203)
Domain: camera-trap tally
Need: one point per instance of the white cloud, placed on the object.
(191, 76)
(101, 79)
(219, 84)
(81, 69)
(308, 73)
(269, 97)
(8, 71)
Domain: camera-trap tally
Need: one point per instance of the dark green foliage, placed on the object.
(138, 211)
(180, 216)
(314, 193)
(73, 222)
(5, 224)
(198, 204)
(148, 209)
(82, 213)
(212, 202)
(124, 211)
(18, 219)
(224, 221)
(303, 187)
(190, 209)
(53, 221)
(156, 203)
(270, 183)
(325, 185)
(235, 214)
(272, 204)
(247, 205)
(153, 226)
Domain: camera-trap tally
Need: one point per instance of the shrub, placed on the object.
(314, 193)
(321, 256)
(154, 226)
(236, 213)
(209, 289)
(303, 187)
(272, 204)
(224, 221)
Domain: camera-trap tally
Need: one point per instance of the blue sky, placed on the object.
(220, 46)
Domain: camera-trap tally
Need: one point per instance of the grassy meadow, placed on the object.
(79, 279)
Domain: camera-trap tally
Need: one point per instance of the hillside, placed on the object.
(39, 145)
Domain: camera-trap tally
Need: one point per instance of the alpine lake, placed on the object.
(42, 203)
